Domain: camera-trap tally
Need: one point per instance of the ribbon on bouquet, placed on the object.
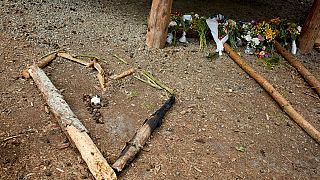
(213, 26)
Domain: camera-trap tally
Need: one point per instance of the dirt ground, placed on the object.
(223, 125)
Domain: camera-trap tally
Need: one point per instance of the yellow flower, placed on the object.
(270, 34)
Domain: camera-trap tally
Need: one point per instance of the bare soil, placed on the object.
(223, 125)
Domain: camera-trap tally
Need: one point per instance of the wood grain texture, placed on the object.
(158, 23)
(311, 29)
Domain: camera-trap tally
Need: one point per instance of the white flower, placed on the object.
(299, 28)
(172, 24)
(247, 37)
(256, 41)
(196, 16)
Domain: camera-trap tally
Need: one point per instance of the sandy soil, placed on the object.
(219, 107)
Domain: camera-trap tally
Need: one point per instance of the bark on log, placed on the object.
(158, 23)
(310, 29)
(41, 64)
(284, 104)
(315, 84)
(74, 129)
(134, 146)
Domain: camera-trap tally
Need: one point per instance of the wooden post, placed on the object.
(310, 29)
(158, 23)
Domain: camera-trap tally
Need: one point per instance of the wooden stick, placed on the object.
(134, 146)
(74, 129)
(123, 74)
(315, 84)
(41, 64)
(70, 57)
(285, 105)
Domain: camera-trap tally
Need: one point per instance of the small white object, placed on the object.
(294, 47)
(249, 50)
(183, 39)
(172, 24)
(95, 100)
(169, 38)
(187, 18)
(299, 29)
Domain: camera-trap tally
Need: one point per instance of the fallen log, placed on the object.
(72, 126)
(315, 84)
(134, 146)
(285, 105)
(41, 64)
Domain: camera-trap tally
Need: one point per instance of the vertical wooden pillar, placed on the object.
(318, 38)
(310, 29)
(158, 23)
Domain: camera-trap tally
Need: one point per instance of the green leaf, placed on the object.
(241, 148)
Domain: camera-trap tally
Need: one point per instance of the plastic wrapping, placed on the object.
(294, 47)
(185, 18)
(213, 25)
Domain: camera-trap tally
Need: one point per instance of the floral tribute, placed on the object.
(256, 36)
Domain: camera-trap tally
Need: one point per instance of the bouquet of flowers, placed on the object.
(186, 24)
(219, 31)
(233, 33)
(173, 27)
(294, 31)
(259, 39)
(202, 28)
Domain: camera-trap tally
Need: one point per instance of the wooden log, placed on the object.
(134, 146)
(284, 104)
(310, 29)
(74, 129)
(158, 23)
(41, 64)
(315, 84)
